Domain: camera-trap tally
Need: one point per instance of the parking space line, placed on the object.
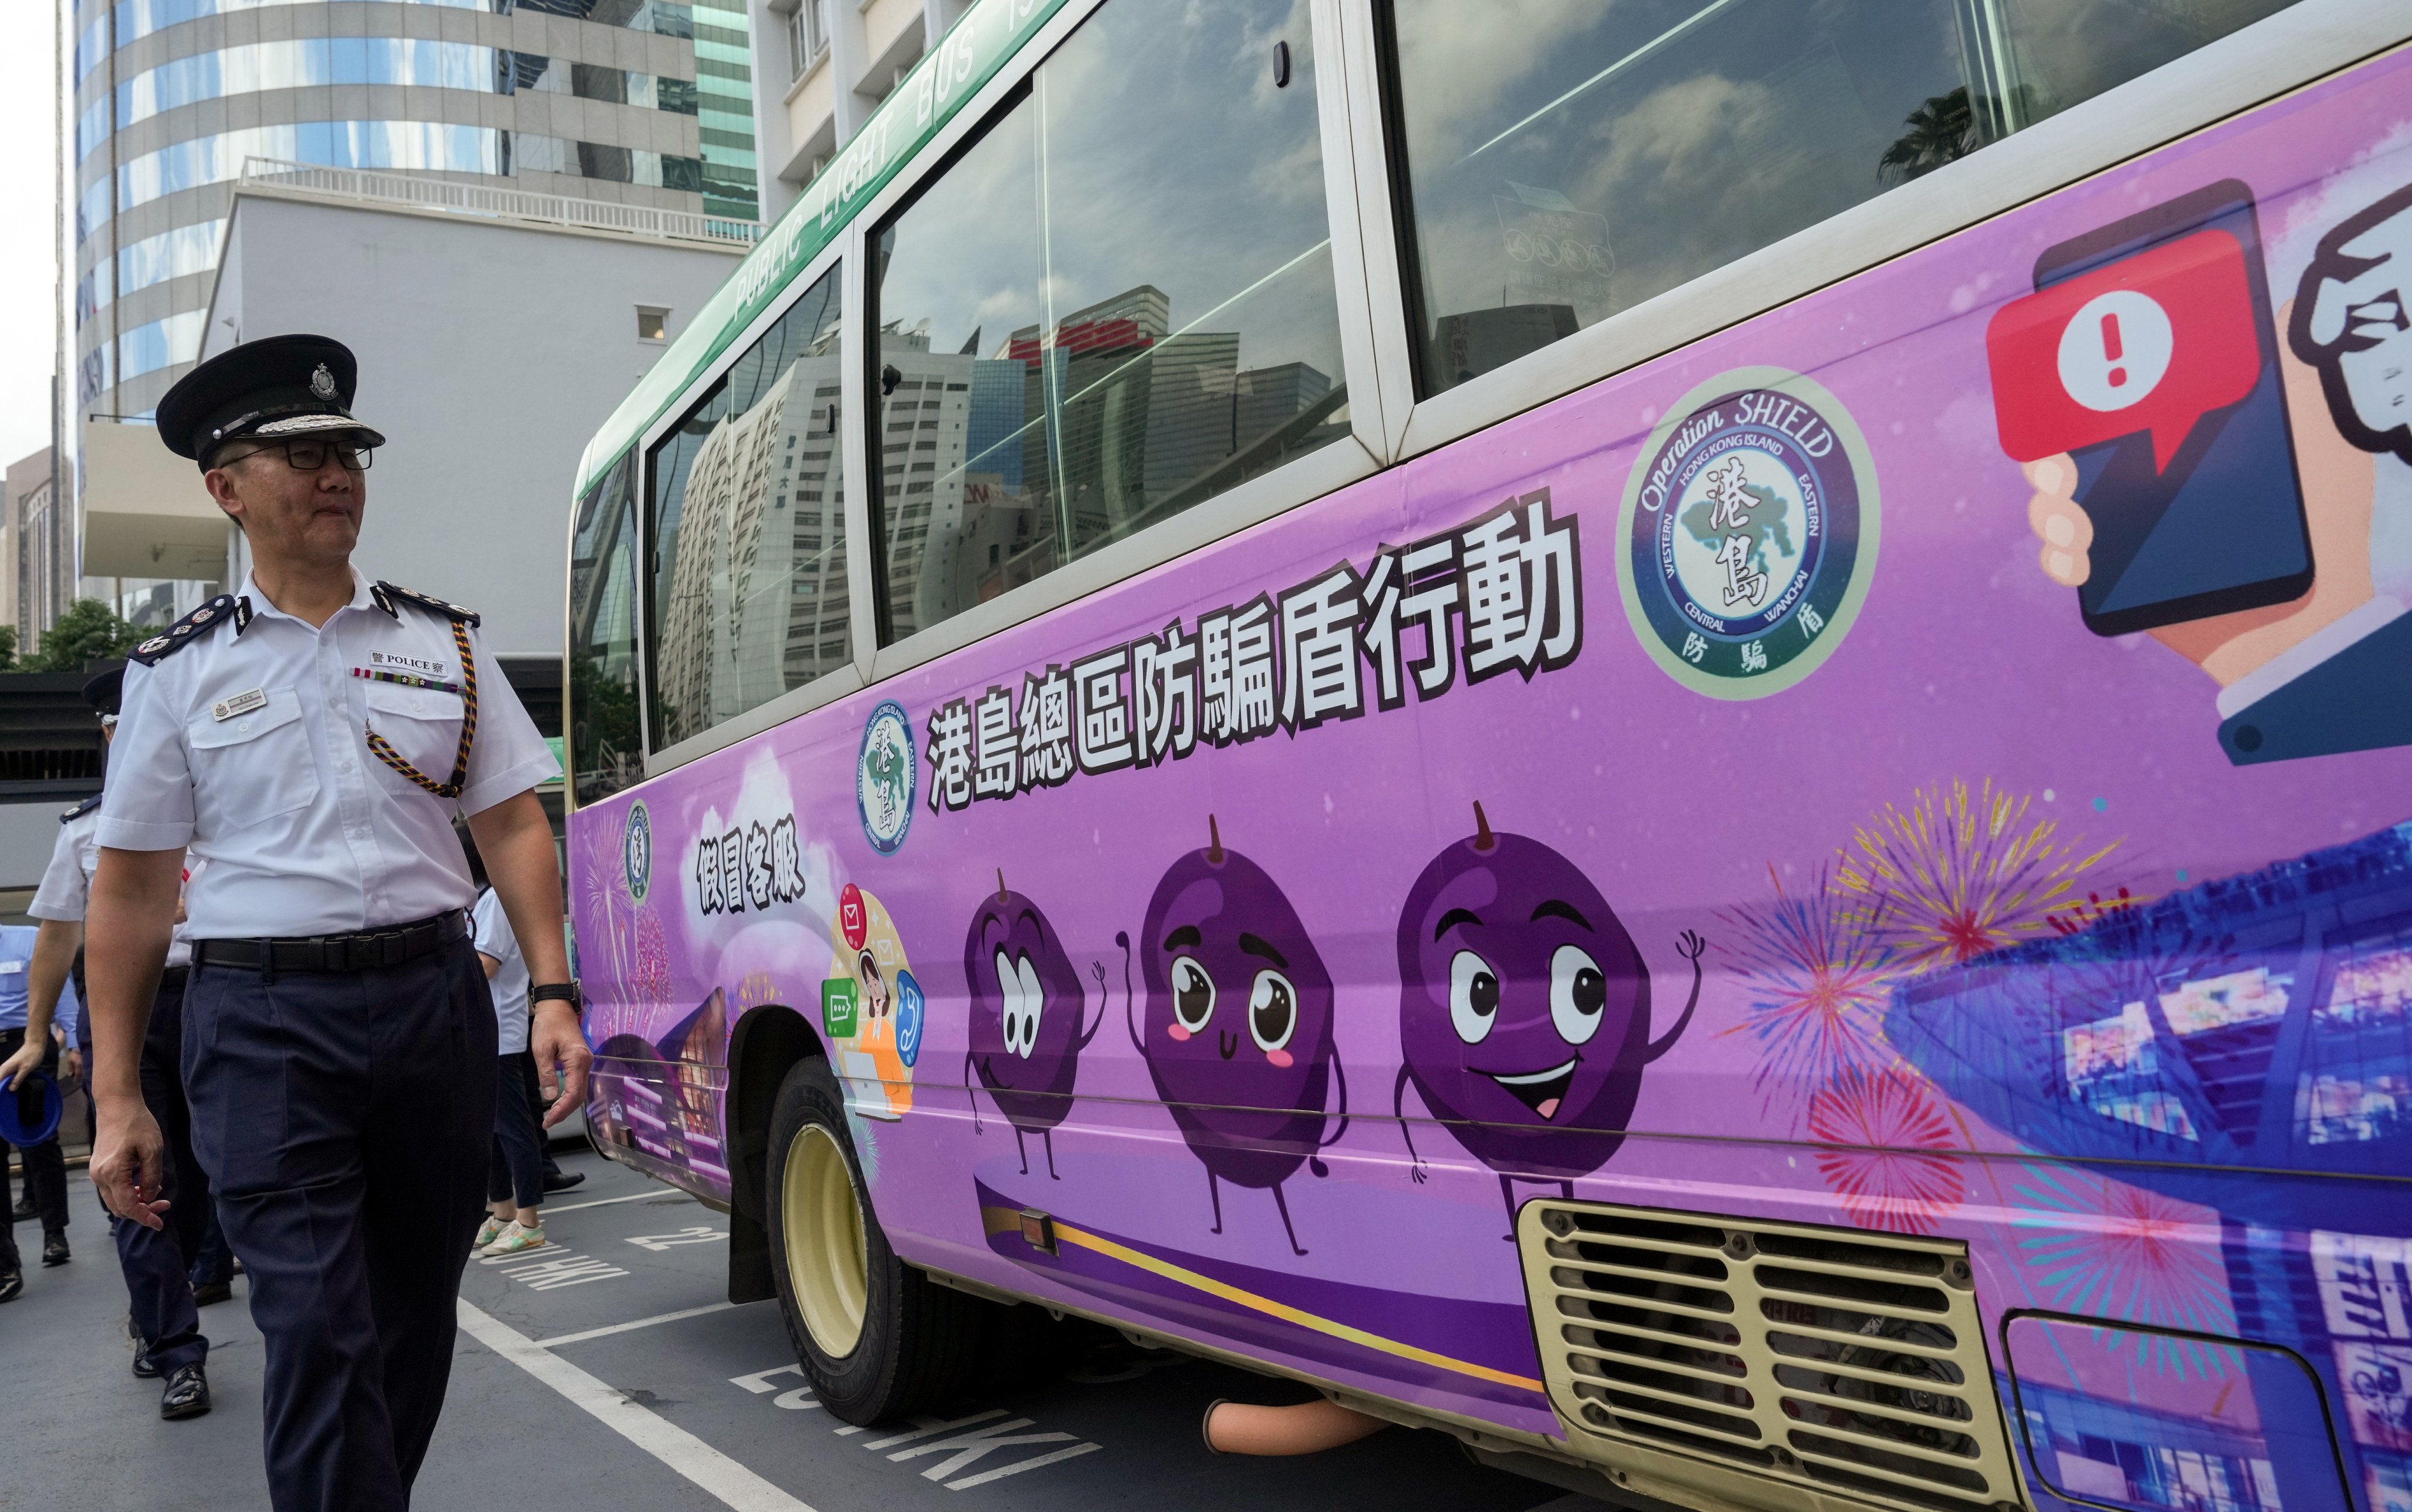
(603, 1202)
(623, 1327)
(724, 1478)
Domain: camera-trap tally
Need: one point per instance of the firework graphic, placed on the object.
(2100, 1248)
(1817, 980)
(1883, 1128)
(1958, 873)
(624, 956)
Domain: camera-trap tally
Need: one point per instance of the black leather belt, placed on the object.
(365, 951)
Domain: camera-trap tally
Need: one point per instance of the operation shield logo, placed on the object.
(1748, 534)
(636, 852)
(886, 777)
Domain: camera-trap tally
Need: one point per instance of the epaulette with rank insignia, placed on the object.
(208, 617)
(386, 592)
(82, 809)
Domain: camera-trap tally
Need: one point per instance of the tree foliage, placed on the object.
(89, 631)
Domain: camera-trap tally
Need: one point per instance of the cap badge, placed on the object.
(322, 383)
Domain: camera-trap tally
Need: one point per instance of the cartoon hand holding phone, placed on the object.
(2190, 480)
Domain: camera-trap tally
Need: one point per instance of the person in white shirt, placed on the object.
(156, 1262)
(311, 737)
(515, 1182)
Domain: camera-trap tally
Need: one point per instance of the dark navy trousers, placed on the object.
(158, 1261)
(344, 1121)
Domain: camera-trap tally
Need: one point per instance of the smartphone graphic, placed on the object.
(2211, 523)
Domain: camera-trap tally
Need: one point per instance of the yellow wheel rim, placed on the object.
(827, 1271)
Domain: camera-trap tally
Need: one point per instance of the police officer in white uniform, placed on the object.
(310, 737)
(156, 1262)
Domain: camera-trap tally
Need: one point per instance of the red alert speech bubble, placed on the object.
(2148, 342)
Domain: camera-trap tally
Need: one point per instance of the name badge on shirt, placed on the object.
(242, 703)
(11, 968)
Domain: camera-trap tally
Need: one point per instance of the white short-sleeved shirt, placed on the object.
(65, 890)
(245, 741)
(492, 929)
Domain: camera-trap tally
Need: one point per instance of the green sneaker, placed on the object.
(489, 1231)
(514, 1239)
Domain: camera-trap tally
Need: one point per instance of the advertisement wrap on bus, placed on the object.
(1930, 760)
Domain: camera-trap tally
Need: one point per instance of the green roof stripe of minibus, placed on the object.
(971, 53)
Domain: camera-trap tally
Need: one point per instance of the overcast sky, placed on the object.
(28, 267)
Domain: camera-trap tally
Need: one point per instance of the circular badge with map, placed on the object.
(886, 777)
(636, 852)
(1748, 534)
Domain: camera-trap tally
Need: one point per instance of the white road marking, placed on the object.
(560, 1268)
(604, 1202)
(927, 1425)
(700, 1233)
(640, 1323)
(731, 1483)
(1020, 1465)
(976, 1445)
(759, 1382)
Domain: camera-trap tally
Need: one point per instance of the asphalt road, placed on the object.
(606, 1372)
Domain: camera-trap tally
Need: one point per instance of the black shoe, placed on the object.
(143, 1369)
(561, 1181)
(237, 1265)
(187, 1394)
(54, 1247)
(12, 1282)
(211, 1292)
(23, 1211)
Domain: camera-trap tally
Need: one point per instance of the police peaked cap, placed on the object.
(101, 690)
(275, 389)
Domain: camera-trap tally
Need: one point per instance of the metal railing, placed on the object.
(496, 203)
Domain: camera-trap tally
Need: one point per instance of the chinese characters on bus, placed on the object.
(1501, 593)
(755, 865)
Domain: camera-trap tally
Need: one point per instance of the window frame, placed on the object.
(830, 686)
(2272, 57)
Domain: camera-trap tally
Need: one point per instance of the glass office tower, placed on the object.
(645, 102)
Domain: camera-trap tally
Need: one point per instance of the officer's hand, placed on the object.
(28, 1058)
(127, 1156)
(556, 1040)
(74, 1064)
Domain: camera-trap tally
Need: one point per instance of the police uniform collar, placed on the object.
(80, 810)
(184, 631)
(251, 601)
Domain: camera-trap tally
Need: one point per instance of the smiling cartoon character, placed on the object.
(1523, 1010)
(1239, 1025)
(1026, 1007)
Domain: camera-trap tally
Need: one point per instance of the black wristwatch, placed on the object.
(559, 993)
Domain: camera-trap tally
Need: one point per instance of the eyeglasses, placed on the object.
(309, 456)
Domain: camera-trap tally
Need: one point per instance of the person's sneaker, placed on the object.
(489, 1231)
(561, 1180)
(187, 1394)
(12, 1282)
(515, 1239)
(54, 1247)
(211, 1292)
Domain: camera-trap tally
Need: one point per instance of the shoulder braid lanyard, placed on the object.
(387, 753)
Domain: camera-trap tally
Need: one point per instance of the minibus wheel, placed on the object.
(874, 1336)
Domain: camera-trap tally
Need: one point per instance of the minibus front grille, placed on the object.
(1834, 1358)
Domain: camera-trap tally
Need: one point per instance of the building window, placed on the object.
(807, 37)
(652, 323)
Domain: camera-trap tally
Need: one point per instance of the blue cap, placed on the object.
(38, 1098)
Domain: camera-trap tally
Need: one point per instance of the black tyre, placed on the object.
(875, 1337)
